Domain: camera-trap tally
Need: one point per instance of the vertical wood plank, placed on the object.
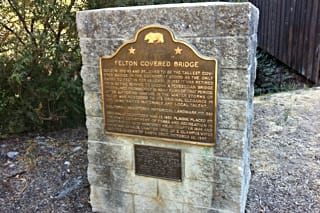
(307, 40)
(316, 49)
(290, 31)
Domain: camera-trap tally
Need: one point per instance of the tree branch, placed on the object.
(60, 26)
(47, 25)
(22, 20)
(13, 32)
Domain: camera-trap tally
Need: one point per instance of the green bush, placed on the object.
(40, 86)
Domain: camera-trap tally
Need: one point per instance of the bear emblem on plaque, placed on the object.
(154, 38)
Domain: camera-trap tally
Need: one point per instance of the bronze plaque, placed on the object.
(158, 162)
(159, 87)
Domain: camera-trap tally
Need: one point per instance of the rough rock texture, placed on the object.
(215, 179)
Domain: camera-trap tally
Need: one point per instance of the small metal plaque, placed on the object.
(159, 87)
(158, 162)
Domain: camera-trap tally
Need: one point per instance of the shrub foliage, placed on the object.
(40, 86)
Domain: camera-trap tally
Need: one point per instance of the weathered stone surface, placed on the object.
(146, 204)
(191, 209)
(228, 186)
(226, 176)
(227, 196)
(192, 20)
(198, 167)
(245, 184)
(122, 179)
(231, 52)
(92, 50)
(194, 209)
(91, 78)
(109, 201)
(234, 84)
(103, 170)
(187, 148)
(253, 62)
(232, 114)
(113, 23)
(94, 122)
(181, 18)
(244, 16)
(213, 169)
(228, 172)
(213, 210)
(254, 19)
(93, 104)
(110, 154)
(208, 46)
(87, 24)
(234, 52)
(230, 143)
(187, 20)
(95, 128)
(189, 191)
(96, 134)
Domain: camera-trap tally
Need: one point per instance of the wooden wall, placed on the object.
(290, 31)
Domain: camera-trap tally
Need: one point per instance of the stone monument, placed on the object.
(168, 97)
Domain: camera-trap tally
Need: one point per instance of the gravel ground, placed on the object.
(285, 153)
(48, 174)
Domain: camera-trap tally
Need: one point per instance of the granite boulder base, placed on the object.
(213, 178)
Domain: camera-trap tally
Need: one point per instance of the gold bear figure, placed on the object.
(154, 38)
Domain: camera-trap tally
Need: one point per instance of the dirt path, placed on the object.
(285, 153)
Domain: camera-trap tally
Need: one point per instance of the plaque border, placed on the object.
(152, 138)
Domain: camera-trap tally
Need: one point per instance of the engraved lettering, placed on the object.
(186, 64)
(155, 63)
(125, 63)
